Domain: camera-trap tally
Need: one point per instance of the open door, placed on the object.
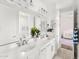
(66, 28)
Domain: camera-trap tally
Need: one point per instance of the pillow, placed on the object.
(67, 35)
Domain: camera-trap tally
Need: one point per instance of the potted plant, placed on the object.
(35, 32)
(33, 29)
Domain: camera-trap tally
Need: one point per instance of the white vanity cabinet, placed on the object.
(42, 54)
(33, 54)
(43, 50)
(47, 51)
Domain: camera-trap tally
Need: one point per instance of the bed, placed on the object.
(66, 40)
(67, 44)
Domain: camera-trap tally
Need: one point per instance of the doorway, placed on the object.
(66, 32)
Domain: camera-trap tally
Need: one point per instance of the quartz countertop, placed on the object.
(30, 48)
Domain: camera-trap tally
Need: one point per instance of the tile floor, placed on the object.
(64, 54)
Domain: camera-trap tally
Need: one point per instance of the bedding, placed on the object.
(68, 44)
(67, 35)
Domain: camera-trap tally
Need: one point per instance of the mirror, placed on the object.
(25, 23)
(40, 23)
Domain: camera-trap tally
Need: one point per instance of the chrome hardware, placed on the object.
(21, 42)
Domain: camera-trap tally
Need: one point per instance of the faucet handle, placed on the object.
(18, 44)
(24, 42)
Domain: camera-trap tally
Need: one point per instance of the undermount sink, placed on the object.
(27, 47)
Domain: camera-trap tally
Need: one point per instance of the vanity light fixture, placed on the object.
(14, 2)
(43, 11)
(21, 3)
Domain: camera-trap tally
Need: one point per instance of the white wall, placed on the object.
(78, 18)
(8, 23)
(78, 11)
(66, 21)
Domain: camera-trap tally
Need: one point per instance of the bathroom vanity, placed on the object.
(41, 49)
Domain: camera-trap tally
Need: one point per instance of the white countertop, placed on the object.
(30, 48)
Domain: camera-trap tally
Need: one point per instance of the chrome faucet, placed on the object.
(21, 42)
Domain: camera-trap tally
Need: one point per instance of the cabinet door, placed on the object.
(33, 54)
(48, 52)
(52, 50)
(42, 54)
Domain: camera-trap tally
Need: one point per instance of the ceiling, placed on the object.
(59, 3)
(52, 5)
